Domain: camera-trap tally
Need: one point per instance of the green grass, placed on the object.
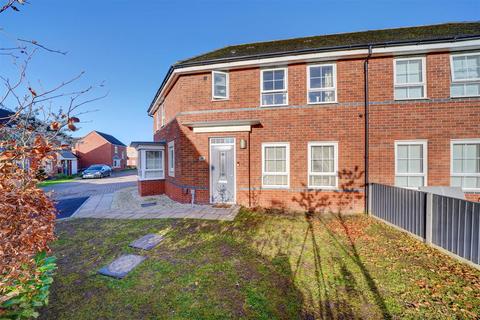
(260, 266)
(47, 183)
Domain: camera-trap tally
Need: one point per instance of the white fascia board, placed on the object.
(323, 56)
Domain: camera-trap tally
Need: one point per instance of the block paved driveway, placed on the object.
(90, 187)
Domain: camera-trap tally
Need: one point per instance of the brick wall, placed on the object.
(151, 187)
(94, 149)
(437, 119)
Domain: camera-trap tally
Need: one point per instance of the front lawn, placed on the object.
(260, 266)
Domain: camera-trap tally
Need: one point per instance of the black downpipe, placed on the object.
(366, 187)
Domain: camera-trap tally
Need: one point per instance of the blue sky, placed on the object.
(130, 44)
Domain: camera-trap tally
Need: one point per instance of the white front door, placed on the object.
(222, 170)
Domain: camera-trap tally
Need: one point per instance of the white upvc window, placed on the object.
(411, 163)
(410, 78)
(116, 149)
(275, 165)
(273, 87)
(171, 159)
(163, 118)
(465, 73)
(465, 164)
(322, 83)
(220, 83)
(151, 164)
(323, 165)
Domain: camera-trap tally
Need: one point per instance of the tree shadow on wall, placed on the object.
(315, 204)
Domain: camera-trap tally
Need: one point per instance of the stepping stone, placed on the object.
(121, 266)
(147, 242)
(148, 204)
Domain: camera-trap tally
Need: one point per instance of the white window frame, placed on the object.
(333, 144)
(163, 118)
(227, 86)
(452, 173)
(334, 88)
(285, 69)
(416, 84)
(461, 81)
(287, 164)
(157, 119)
(143, 162)
(424, 144)
(115, 149)
(171, 159)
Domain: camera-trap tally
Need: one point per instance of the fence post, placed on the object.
(429, 218)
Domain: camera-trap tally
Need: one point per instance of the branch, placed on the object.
(35, 43)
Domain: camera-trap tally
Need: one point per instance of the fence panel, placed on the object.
(456, 226)
(402, 207)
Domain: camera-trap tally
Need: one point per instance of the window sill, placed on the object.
(329, 102)
(326, 188)
(275, 187)
(461, 97)
(274, 105)
(220, 99)
(412, 99)
(150, 179)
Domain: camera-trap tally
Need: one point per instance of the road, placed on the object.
(89, 187)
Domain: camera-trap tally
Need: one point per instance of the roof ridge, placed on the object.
(350, 32)
(436, 29)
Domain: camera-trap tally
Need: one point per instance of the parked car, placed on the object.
(97, 171)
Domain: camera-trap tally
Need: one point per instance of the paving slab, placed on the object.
(121, 266)
(147, 242)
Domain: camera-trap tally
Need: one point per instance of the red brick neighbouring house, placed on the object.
(101, 148)
(305, 123)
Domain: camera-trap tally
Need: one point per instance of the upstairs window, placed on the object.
(163, 118)
(465, 75)
(275, 165)
(116, 149)
(409, 78)
(322, 83)
(410, 164)
(219, 85)
(465, 166)
(274, 87)
(323, 165)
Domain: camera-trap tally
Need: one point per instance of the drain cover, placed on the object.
(148, 204)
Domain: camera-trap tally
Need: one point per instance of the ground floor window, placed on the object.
(151, 164)
(322, 165)
(465, 164)
(411, 163)
(275, 165)
(171, 159)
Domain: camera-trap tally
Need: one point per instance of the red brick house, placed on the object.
(101, 148)
(306, 123)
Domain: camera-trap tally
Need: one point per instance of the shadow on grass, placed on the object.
(315, 203)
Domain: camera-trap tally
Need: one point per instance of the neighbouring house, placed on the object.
(63, 162)
(306, 123)
(131, 157)
(101, 148)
